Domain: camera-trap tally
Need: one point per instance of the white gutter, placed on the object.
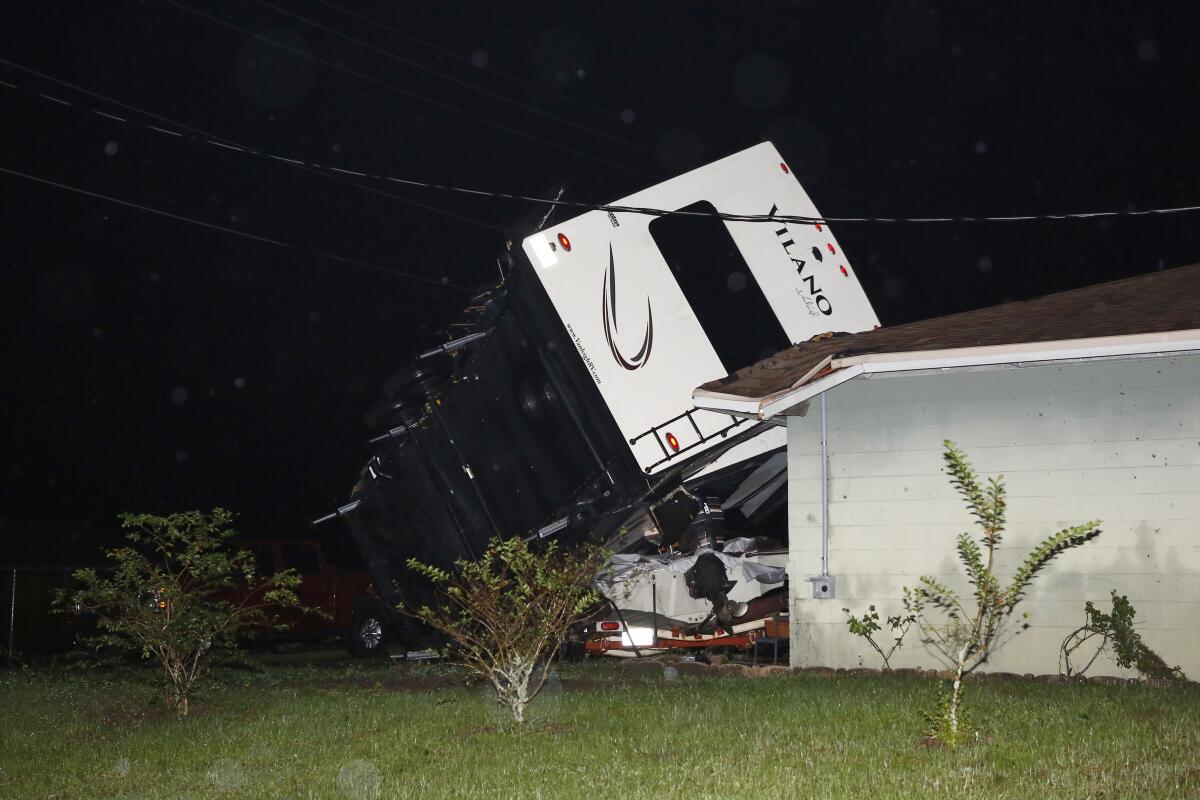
(993, 355)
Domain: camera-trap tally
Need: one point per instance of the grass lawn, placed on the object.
(604, 730)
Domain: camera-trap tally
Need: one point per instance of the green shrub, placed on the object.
(510, 610)
(966, 633)
(868, 625)
(1118, 630)
(176, 594)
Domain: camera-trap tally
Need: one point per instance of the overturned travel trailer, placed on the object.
(561, 406)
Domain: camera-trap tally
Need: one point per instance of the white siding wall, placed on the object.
(1116, 440)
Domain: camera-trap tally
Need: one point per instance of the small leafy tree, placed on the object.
(510, 610)
(177, 594)
(967, 632)
(868, 625)
(1117, 629)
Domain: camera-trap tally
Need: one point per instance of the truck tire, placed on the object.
(370, 629)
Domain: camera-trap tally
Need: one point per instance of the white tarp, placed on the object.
(656, 582)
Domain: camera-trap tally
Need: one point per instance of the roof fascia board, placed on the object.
(726, 403)
(913, 361)
(781, 402)
(751, 406)
(1098, 347)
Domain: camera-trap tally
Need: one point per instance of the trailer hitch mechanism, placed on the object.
(707, 578)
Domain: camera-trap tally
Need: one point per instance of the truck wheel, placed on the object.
(370, 631)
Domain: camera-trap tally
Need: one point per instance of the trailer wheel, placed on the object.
(370, 630)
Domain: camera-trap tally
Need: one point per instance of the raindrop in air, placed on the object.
(179, 395)
(66, 294)
(893, 288)
(110, 148)
(985, 264)
(274, 70)
(359, 780)
(760, 81)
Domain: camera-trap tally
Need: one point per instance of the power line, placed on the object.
(467, 84)
(643, 210)
(487, 67)
(404, 92)
(244, 234)
(210, 138)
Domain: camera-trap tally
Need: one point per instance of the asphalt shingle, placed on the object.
(1157, 302)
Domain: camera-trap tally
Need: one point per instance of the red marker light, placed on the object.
(565, 242)
(672, 442)
(843, 269)
(783, 167)
(610, 626)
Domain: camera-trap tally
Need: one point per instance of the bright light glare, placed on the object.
(642, 637)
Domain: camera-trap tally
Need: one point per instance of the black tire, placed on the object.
(371, 630)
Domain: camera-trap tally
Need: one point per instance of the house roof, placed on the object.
(1156, 312)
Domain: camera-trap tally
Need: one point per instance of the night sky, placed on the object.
(154, 365)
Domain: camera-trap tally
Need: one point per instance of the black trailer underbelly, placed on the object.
(509, 436)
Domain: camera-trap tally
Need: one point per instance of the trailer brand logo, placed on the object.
(815, 293)
(609, 304)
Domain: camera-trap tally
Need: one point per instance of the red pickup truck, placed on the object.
(352, 608)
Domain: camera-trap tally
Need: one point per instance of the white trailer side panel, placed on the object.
(632, 324)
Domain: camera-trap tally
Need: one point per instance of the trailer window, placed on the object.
(719, 286)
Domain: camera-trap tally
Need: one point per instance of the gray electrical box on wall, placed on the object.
(823, 587)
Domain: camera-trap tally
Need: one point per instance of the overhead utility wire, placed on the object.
(466, 84)
(643, 210)
(244, 234)
(487, 67)
(404, 92)
(209, 138)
